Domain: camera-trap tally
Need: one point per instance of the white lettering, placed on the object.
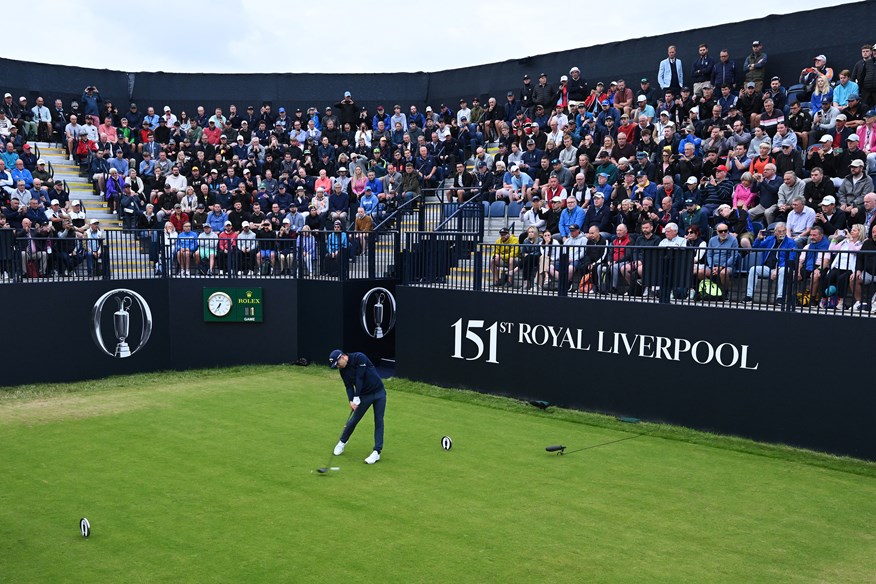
(628, 345)
(695, 348)
(524, 333)
(681, 346)
(599, 346)
(733, 349)
(645, 345)
(580, 346)
(744, 360)
(537, 330)
(663, 344)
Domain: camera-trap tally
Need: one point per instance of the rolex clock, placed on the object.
(219, 304)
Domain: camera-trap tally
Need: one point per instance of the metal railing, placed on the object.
(135, 254)
(832, 281)
(429, 257)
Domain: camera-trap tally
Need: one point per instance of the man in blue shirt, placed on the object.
(364, 389)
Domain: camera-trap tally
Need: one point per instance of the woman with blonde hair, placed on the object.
(823, 92)
(835, 282)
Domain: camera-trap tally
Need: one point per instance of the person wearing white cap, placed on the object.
(855, 185)
(94, 246)
(809, 75)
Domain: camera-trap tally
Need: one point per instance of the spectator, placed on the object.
(853, 188)
(775, 262)
(842, 90)
(186, 249)
(800, 220)
(865, 273)
(754, 66)
(840, 273)
(812, 263)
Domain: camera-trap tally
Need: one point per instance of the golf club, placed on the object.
(561, 450)
(326, 468)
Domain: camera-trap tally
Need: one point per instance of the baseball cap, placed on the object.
(556, 199)
(555, 161)
(691, 180)
(690, 201)
(641, 174)
(333, 358)
(787, 142)
(641, 155)
(574, 227)
(722, 168)
(55, 202)
(245, 224)
(828, 200)
(563, 78)
(870, 114)
(227, 223)
(8, 95)
(826, 138)
(75, 202)
(94, 222)
(853, 138)
(598, 194)
(820, 58)
(287, 220)
(857, 162)
(41, 161)
(841, 118)
(26, 146)
(853, 96)
(167, 108)
(525, 76)
(504, 230)
(514, 167)
(642, 98)
(536, 198)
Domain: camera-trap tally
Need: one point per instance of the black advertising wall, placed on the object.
(195, 343)
(790, 42)
(736, 372)
(49, 331)
(331, 317)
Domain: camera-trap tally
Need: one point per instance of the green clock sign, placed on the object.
(233, 305)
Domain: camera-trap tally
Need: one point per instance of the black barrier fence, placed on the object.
(133, 254)
(835, 281)
(741, 372)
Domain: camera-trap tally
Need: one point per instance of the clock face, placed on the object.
(219, 304)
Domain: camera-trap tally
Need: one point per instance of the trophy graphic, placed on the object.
(121, 322)
(378, 316)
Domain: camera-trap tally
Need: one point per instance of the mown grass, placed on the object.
(208, 476)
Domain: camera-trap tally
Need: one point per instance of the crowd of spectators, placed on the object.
(716, 142)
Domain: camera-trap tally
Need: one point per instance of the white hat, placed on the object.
(75, 202)
(564, 78)
(8, 95)
(643, 98)
(573, 69)
(514, 167)
(691, 180)
(93, 221)
(55, 202)
(167, 108)
(245, 224)
(41, 161)
(287, 220)
(828, 200)
(826, 138)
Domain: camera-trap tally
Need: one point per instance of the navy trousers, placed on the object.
(378, 402)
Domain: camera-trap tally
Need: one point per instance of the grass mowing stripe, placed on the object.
(214, 482)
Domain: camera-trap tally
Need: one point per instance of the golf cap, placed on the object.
(76, 203)
(557, 199)
(8, 95)
(692, 180)
(642, 98)
(787, 142)
(94, 222)
(870, 114)
(333, 358)
(841, 118)
(299, 188)
(208, 226)
(750, 85)
(826, 138)
(599, 194)
(820, 58)
(536, 198)
(200, 205)
(228, 224)
(167, 108)
(641, 174)
(689, 202)
(41, 161)
(287, 220)
(482, 164)
(722, 168)
(853, 138)
(603, 174)
(857, 162)
(514, 168)
(828, 200)
(641, 155)
(853, 96)
(504, 231)
(245, 224)
(574, 227)
(55, 202)
(563, 78)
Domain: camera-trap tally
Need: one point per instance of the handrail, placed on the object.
(475, 201)
(404, 207)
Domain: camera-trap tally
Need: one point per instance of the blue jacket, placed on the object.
(567, 218)
(786, 254)
(91, 103)
(721, 255)
(360, 377)
(217, 222)
(815, 249)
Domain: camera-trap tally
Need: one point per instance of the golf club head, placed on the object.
(322, 470)
(555, 448)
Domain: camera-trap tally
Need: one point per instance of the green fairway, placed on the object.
(210, 477)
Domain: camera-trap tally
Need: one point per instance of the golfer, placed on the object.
(364, 389)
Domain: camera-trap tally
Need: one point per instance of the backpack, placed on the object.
(709, 290)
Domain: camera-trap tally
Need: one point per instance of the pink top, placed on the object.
(744, 194)
(358, 186)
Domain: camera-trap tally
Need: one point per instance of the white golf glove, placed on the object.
(356, 400)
